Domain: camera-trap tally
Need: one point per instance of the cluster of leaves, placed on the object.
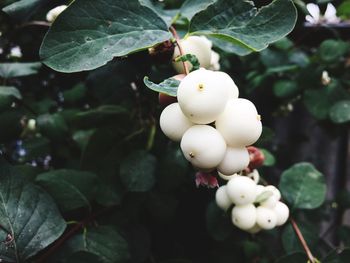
(92, 179)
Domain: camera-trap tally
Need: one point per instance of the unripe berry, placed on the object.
(31, 124)
(241, 190)
(229, 83)
(195, 45)
(202, 99)
(222, 199)
(239, 123)
(265, 218)
(173, 122)
(235, 160)
(203, 146)
(282, 213)
(274, 190)
(244, 216)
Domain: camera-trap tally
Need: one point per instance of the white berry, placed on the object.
(241, 190)
(227, 177)
(270, 202)
(240, 123)
(203, 146)
(235, 160)
(55, 12)
(266, 218)
(259, 189)
(173, 122)
(254, 175)
(201, 97)
(222, 199)
(231, 85)
(195, 45)
(282, 213)
(244, 216)
(274, 190)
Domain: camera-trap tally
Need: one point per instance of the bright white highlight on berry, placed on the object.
(195, 45)
(266, 218)
(240, 123)
(201, 97)
(235, 160)
(241, 190)
(228, 81)
(173, 122)
(222, 199)
(244, 216)
(203, 146)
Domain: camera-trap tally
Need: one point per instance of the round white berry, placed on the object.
(203, 146)
(274, 190)
(266, 218)
(235, 160)
(255, 229)
(270, 202)
(227, 177)
(222, 199)
(201, 97)
(195, 45)
(239, 123)
(241, 190)
(254, 175)
(259, 189)
(244, 216)
(282, 213)
(229, 83)
(173, 122)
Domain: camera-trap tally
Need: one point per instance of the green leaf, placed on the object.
(7, 96)
(28, 214)
(168, 86)
(137, 171)
(340, 112)
(71, 189)
(105, 114)
(290, 241)
(105, 242)
(303, 187)
(190, 58)
(75, 94)
(343, 10)
(229, 47)
(218, 222)
(332, 50)
(269, 158)
(285, 88)
(240, 23)
(105, 29)
(166, 15)
(23, 9)
(263, 196)
(296, 257)
(338, 256)
(12, 70)
(343, 233)
(53, 126)
(191, 7)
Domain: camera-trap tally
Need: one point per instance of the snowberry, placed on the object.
(254, 175)
(274, 190)
(235, 160)
(241, 190)
(259, 189)
(282, 213)
(203, 146)
(222, 199)
(270, 202)
(244, 216)
(255, 229)
(228, 81)
(202, 97)
(227, 177)
(214, 61)
(55, 12)
(240, 123)
(195, 45)
(266, 218)
(173, 122)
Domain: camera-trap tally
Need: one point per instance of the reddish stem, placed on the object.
(177, 39)
(302, 240)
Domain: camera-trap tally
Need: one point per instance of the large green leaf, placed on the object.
(71, 189)
(7, 96)
(12, 70)
(156, 6)
(340, 112)
(53, 126)
(29, 216)
(23, 9)
(104, 242)
(90, 33)
(303, 186)
(137, 171)
(332, 50)
(191, 7)
(240, 23)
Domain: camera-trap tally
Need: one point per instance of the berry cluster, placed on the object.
(256, 206)
(212, 123)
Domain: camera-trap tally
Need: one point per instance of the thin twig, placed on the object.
(35, 23)
(302, 240)
(177, 39)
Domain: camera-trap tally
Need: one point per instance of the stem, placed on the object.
(302, 241)
(35, 23)
(177, 39)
